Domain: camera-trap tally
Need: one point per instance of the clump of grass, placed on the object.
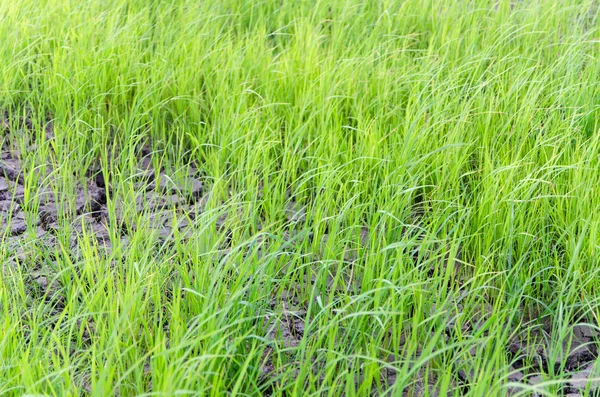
(393, 193)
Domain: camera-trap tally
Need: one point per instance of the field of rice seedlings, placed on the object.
(299, 198)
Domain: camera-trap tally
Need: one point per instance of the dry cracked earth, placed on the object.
(170, 205)
(166, 204)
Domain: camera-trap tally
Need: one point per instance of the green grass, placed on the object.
(414, 183)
